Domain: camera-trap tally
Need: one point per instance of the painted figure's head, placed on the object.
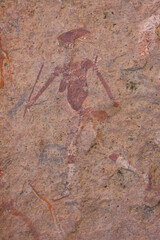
(71, 36)
(70, 41)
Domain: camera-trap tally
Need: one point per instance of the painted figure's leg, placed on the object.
(78, 133)
(72, 153)
(97, 134)
(95, 117)
(72, 149)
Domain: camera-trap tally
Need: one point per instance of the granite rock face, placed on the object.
(80, 135)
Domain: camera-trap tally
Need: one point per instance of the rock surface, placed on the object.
(83, 162)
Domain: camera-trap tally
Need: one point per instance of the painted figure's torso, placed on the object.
(75, 80)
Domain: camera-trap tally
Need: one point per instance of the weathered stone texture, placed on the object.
(90, 172)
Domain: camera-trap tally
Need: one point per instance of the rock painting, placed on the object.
(74, 80)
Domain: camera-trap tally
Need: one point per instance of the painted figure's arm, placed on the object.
(63, 85)
(105, 85)
(45, 86)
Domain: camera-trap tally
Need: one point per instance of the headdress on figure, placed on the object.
(72, 35)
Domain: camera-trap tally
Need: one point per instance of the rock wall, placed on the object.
(79, 135)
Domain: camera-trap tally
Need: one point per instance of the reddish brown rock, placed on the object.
(80, 138)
